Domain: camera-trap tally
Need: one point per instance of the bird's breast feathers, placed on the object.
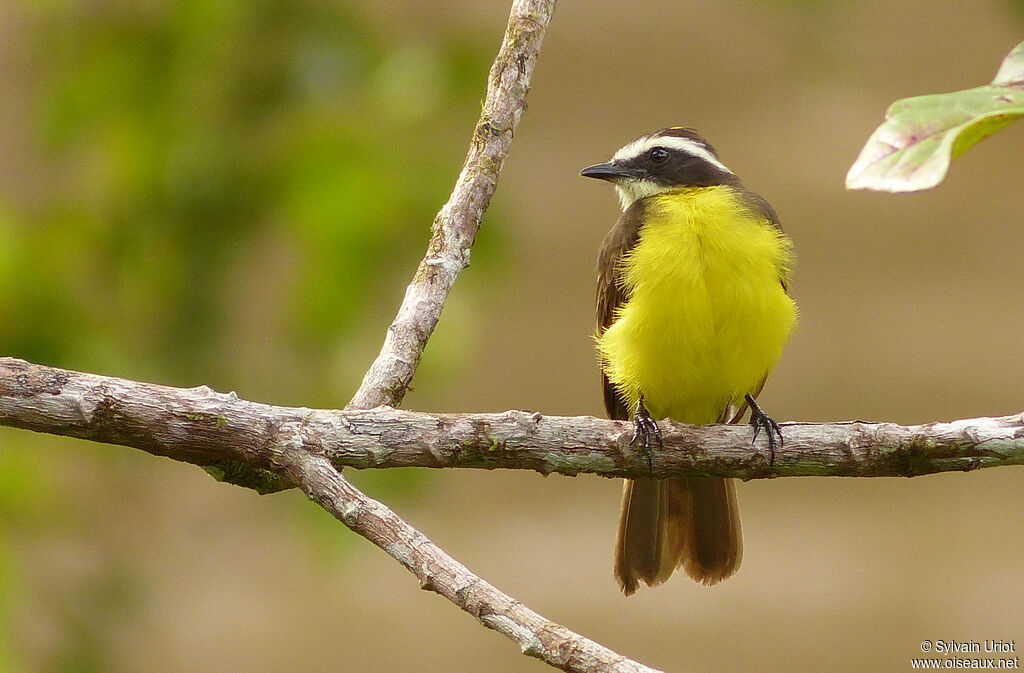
(706, 313)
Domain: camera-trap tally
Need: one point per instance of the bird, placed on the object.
(693, 311)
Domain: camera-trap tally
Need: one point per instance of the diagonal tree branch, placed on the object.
(437, 571)
(199, 426)
(456, 225)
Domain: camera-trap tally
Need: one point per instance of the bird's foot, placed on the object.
(762, 421)
(645, 431)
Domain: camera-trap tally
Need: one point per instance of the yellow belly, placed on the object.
(707, 315)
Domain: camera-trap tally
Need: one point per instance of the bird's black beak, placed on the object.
(609, 171)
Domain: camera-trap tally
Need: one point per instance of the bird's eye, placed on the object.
(658, 155)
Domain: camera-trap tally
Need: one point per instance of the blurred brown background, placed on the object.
(236, 194)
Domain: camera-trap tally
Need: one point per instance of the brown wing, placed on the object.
(610, 293)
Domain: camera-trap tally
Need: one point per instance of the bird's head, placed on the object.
(668, 159)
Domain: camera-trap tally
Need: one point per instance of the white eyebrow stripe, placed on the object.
(633, 149)
(641, 145)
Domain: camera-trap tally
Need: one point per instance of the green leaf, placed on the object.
(912, 149)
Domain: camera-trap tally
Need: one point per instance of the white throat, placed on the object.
(631, 191)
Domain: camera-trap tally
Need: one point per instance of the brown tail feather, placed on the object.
(691, 522)
(715, 546)
(638, 549)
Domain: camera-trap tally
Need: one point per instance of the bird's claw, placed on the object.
(762, 421)
(645, 431)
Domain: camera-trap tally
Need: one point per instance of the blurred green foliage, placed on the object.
(225, 192)
(224, 174)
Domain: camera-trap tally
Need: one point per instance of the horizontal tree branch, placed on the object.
(200, 426)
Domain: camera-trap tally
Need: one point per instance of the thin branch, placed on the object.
(388, 378)
(457, 223)
(439, 572)
(199, 426)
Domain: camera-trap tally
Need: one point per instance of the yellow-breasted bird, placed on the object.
(692, 313)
